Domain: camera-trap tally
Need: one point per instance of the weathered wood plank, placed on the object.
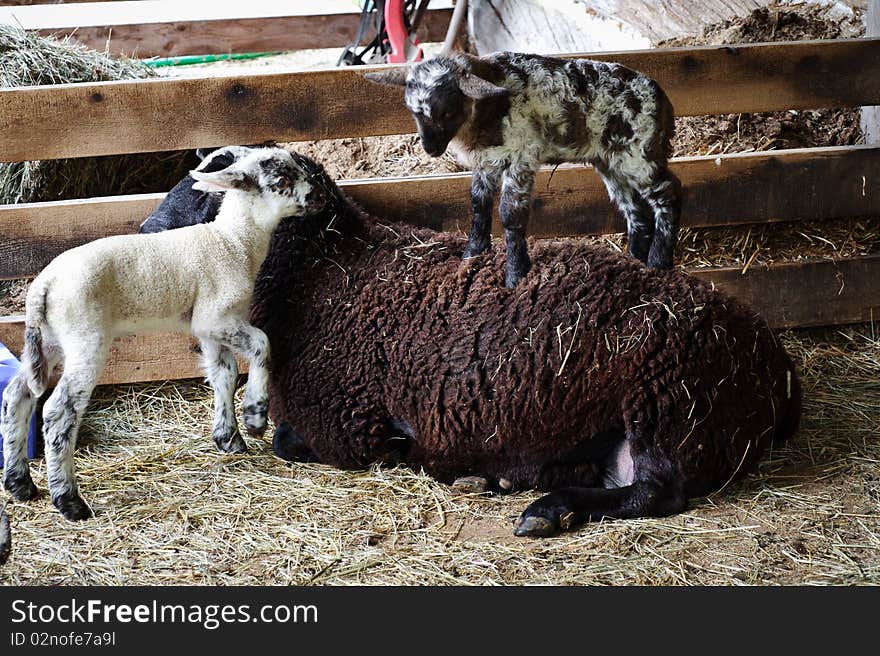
(811, 183)
(871, 115)
(105, 118)
(832, 292)
(235, 35)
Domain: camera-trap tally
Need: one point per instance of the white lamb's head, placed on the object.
(272, 174)
(440, 94)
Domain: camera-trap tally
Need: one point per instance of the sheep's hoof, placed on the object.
(534, 526)
(5, 537)
(230, 443)
(255, 418)
(73, 507)
(471, 484)
(291, 447)
(22, 487)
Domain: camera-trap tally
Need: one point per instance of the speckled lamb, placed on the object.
(505, 114)
(623, 390)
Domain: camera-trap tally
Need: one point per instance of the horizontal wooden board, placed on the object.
(174, 29)
(833, 292)
(50, 122)
(735, 189)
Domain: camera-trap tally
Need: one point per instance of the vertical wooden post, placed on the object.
(871, 115)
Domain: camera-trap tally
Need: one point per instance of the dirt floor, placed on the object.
(170, 509)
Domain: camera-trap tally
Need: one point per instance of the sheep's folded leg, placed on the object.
(567, 508)
(290, 446)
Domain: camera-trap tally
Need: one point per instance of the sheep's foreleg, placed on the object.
(62, 416)
(515, 207)
(566, 508)
(18, 406)
(222, 372)
(664, 197)
(254, 345)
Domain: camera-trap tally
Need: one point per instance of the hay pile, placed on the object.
(172, 510)
(28, 59)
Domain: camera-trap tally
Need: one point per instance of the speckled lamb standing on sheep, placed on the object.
(506, 114)
(622, 389)
(198, 279)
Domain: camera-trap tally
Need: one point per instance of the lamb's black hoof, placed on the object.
(254, 417)
(659, 261)
(73, 507)
(230, 443)
(22, 487)
(516, 273)
(289, 446)
(535, 527)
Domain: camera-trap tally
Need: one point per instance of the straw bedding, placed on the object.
(171, 510)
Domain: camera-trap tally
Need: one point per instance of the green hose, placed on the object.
(188, 60)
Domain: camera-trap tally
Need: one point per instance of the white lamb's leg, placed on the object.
(62, 416)
(254, 345)
(18, 406)
(222, 372)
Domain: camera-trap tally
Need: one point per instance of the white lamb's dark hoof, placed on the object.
(73, 507)
(471, 484)
(21, 488)
(535, 527)
(231, 443)
(255, 418)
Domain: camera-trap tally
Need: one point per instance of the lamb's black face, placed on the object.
(439, 109)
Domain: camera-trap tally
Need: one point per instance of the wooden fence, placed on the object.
(138, 116)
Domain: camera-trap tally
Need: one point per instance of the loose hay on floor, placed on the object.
(173, 510)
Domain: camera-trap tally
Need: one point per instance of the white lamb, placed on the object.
(198, 279)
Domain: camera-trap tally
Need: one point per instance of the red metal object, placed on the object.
(402, 48)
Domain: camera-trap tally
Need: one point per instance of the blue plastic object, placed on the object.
(9, 366)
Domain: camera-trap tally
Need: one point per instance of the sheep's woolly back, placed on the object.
(382, 330)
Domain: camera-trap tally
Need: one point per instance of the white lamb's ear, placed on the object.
(395, 77)
(229, 178)
(233, 153)
(478, 88)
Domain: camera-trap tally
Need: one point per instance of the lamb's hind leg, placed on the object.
(569, 507)
(254, 345)
(222, 372)
(635, 210)
(62, 416)
(664, 197)
(18, 406)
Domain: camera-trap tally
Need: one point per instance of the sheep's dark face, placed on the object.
(439, 108)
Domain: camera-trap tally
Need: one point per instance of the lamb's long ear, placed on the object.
(396, 77)
(232, 177)
(228, 154)
(478, 88)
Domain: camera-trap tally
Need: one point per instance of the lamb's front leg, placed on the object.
(254, 345)
(222, 372)
(484, 186)
(515, 207)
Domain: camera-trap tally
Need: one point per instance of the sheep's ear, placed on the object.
(229, 178)
(478, 88)
(396, 77)
(227, 154)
